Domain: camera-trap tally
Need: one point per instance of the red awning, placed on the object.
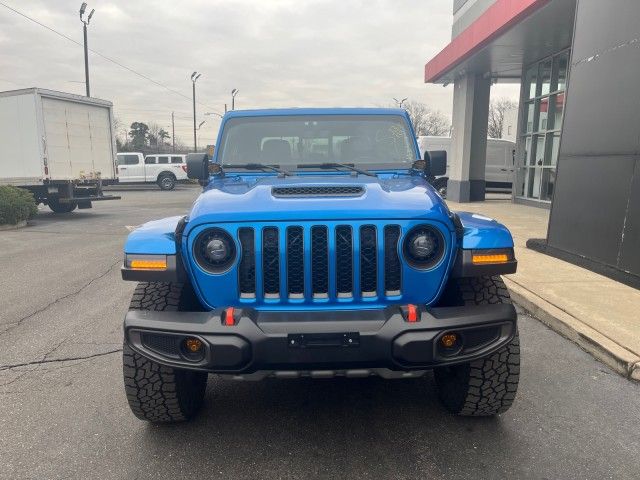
(494, 22)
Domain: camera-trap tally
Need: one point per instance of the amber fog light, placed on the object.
(450, 344)
(193, 345)
(193, 349)
(449, 340)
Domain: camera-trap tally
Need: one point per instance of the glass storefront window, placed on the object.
(531, 82)
(527, 151)
(544, 115)
(528, 116)
(558, 110)
(543, 97)
(539, 156)
(533, 183)
(547, 183)
(553, 148)
(560, 65)
(545, 77)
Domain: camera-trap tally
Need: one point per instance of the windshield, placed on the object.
(295, 141)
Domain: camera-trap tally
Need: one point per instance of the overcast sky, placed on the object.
(277, 53)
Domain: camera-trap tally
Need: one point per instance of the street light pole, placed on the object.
(400, 102)
(173, 130)
(83, 8)
(234, 92)
(194, 77)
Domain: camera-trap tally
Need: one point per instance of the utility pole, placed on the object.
(83, 7)
(173, 131)
(194, 77)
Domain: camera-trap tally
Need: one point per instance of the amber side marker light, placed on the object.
(479, 259)
(148, 264)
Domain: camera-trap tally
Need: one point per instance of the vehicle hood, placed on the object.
(240, 198)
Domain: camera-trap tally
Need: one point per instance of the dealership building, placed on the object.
(578, 127)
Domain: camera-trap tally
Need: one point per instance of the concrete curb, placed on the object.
(620, 359)
(5, 226)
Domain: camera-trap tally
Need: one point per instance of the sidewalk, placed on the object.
(599, 314)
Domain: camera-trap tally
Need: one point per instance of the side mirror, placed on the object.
(198, 166)
(436, 163)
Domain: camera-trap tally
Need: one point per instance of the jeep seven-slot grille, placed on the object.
(295, 262)
(392, 266)
(319, 261)
(247, 266)
(368, 261)
(270, 262)
(344, 261)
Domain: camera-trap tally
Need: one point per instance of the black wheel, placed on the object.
(441, 186)
(487, 386)
(157, 393)
(167, 181)
(57, 207)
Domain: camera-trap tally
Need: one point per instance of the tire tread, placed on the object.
(487, 386)
(157, 393)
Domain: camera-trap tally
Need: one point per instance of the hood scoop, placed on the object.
(307, 191)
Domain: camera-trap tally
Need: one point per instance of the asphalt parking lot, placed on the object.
(63, 413)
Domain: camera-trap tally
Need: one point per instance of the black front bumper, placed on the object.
(357, 340)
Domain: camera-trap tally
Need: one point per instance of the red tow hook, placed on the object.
(229, 321)
(410, 313)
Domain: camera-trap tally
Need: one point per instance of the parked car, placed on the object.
(319, 249)
(164, 169)
(58, 146)
(499, 169)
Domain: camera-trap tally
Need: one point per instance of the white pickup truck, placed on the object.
(164, 169)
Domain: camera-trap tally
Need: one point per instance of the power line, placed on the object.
(99, 54)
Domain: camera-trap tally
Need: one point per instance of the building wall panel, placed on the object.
(596, 207)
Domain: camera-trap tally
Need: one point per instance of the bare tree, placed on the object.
(154, 134)
(427, 121)
(120, 133)
(497, 109)
(163, 135)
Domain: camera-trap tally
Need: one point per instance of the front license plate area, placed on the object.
(324, 340)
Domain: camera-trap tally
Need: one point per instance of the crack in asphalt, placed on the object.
(55, 360)
(59, 299)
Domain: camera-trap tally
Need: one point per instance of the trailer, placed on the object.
(57, 145)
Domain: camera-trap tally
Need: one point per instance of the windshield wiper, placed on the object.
(258, 166)
(336, 166)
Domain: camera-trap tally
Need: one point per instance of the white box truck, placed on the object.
(499, 168)
(58, 146)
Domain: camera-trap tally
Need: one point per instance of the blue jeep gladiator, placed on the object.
(319, 248)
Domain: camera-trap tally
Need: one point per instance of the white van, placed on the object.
(163, 168)
(499, 169)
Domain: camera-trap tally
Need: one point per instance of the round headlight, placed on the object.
(215, 250)
(423, 247)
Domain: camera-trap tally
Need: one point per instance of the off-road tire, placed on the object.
(487, 386)
(157, 393)
(167, 181)
(57, 207)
